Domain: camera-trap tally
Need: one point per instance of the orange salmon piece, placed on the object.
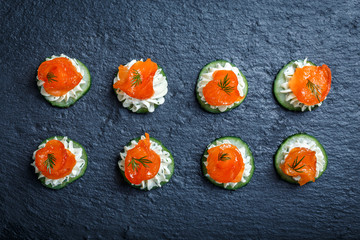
(137, 82)
(300, 162)
(222, 90)
(60, 76)
(54, 161)
(225, 163)
(311, 84)
(141, 163)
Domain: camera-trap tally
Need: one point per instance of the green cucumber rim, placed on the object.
(143, 109)
(237, 142)
(277, 158)
(168, 176)
(280, 79)
(72, 101)
(207, 106)
(71, 179)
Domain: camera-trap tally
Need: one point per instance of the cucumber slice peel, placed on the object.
(278, 156)
(206, 69)
(279, 80)
(71, 179)
(84, 87)
(236, 141)
(170, 166)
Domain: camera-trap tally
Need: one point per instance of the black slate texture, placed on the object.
(257, 36)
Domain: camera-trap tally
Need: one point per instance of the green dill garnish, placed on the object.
(135, 163)
(314, 88)
(51, 77)
(136, 80)
(224, 85)
(50, 162)
(223, 156)
(296, 164)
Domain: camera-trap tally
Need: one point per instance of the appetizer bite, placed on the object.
(221, 87)
(228, 163)
(146, 163)
(302, 86)
(59, 161)
(63, 80)
(141, 86)
(300, 159)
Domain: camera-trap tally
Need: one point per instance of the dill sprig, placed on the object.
(50, 162)
(314, 88)
(136, 80)
(223, 156)
(51, 77)
(224, 85)
(135, 163)
(296, 164)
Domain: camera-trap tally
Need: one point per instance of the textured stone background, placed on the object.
(182, 37)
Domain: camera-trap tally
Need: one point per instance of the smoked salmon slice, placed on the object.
(141, 163)
(300, 162)
(59, 76)
(222, 90)
(311, 84)
(54, 161)
(137, 82)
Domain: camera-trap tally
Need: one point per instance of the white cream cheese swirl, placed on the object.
(205, 78)
(246, 159)
(305, 143)
(160, 86)
(70, 94)
(165, 162)
(80, 163)
(290, 96)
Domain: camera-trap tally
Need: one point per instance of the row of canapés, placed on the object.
(142, 85)
(147, 164)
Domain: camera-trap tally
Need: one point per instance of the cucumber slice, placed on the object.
(84, 89)
(240, 144)
(167, 176)
(206, 69)
(279, 157)
(71, 179)
(279, 80)
(142, 109)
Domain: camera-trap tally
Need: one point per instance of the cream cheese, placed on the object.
(160, 86)
(165, 163)
(290, 96)
(305, 143)
(70, 94)
(205, 78)
(246, 159)
(80, 163)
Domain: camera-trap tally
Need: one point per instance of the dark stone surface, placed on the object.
(182, 37)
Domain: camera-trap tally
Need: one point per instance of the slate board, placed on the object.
(182, 37)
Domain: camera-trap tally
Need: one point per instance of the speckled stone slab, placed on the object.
(257, 36)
